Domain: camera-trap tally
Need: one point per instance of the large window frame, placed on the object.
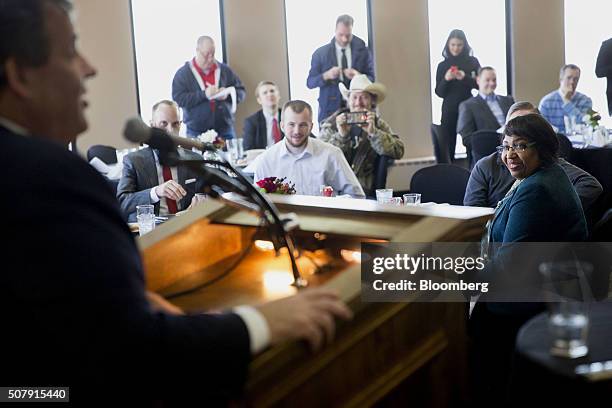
(153, 32)
(321, 29)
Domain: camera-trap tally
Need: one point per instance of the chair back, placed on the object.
(439, 145)
(442, 183)
(107, 154)
(602, 231)
(483, 143)
(381, 168)
(565, 146)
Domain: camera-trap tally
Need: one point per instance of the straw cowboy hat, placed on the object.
(362, 83)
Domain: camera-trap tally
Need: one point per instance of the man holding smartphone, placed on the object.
(359, 132)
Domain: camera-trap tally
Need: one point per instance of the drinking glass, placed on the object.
(383, 193)
(145, 215)
(412, 199)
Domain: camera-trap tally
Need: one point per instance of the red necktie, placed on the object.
(276, 133)
(172, 208)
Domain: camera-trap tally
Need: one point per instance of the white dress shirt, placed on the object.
(320, 163)
(348, 57)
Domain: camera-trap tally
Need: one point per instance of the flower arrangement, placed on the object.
(210, 136)
(592, 118)
(274, 185)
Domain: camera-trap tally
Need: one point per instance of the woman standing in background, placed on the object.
(455, 78)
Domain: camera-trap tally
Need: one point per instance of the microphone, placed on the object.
(137, 131)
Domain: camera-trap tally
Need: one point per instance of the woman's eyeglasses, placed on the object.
(519, 147)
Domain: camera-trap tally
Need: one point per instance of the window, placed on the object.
(165, 36)
(487, 37)
(586, 26)
(309, 26)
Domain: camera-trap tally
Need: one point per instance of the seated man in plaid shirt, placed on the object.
(565, 101)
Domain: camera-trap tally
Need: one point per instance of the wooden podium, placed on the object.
(389, 354)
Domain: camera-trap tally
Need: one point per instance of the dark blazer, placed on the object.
(139, 176)
(603, 68)
(255, 131)
(475, 114)
(490, 180)
(325, 58)
(197, 114)
(73, 306)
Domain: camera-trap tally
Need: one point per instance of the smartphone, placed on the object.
(356, 118)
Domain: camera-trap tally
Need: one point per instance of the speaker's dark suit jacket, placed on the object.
(255, 131)
(603, 68)
(140, 176)
(72, 294)
(475, 114)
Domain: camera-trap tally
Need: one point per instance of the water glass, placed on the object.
(145, 215)
(392, 200)
(383, 194)
(568, 295)
(234, 147)
(412, 199)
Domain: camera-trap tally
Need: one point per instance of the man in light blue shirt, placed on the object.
(306, 162)
(565, 102)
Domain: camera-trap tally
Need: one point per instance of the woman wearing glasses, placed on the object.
(541, 206)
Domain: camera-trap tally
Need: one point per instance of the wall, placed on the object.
(247, 42)
(538, 47)
(400, 35)
(105, 38)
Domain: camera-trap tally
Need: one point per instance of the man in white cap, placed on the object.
(360, 132)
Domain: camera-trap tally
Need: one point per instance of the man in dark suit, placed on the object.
(339, 61)
(485, 111)
(72, 293)
(145, 181)
(603, 68)
(262, 129)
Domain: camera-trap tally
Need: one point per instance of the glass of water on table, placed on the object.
(145, 215)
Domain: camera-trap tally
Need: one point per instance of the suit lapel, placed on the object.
(150, 169)
(484, 107)
(262, 130)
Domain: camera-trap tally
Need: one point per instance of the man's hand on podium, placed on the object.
(309, 316)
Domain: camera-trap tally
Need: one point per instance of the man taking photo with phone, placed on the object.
(360, 132)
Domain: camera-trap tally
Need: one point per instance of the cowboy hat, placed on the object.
(362, 83)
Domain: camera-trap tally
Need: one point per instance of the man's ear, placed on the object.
(17, 78)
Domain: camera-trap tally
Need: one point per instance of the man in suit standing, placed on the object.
(485, 111)
(603, 68)
(76, 305)
(262, 129)
(195, 85)
(145, 181)
(338, 62)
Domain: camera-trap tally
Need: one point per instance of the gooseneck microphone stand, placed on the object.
(240, 184)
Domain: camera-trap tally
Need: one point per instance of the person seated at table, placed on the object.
(541, 206)
(262, 129)
(565, 101)
(485, 111)
(490, 179)
(306, 162)
(145, 181)
(362, 143)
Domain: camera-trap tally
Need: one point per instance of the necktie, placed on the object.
(344, 63)
(276, 133)
(172, 208)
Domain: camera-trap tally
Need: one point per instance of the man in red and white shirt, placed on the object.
(198, 88)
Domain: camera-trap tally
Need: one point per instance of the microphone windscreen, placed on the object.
(136, 131)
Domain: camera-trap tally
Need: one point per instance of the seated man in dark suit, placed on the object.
(145, 181)
(485, 111)
(490, 179)
(73, 295)
(262, 129)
